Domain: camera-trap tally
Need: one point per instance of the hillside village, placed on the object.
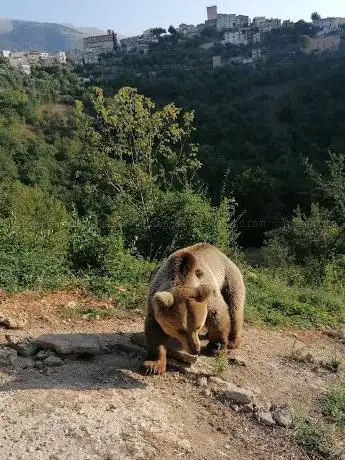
(224, 29)
(219, 29)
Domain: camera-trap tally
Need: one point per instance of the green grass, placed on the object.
(220, 363)
(282, 300)
(316, 440)
(332, 405)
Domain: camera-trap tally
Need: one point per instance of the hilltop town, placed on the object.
(218, 29)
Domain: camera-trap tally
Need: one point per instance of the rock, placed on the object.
(237, 362)
(8, 357)
(330, 332)
(44, 354)
(282, 417)
(10, 323)
(236, 395)
(247, 409)
(185, 445)
(24, 346)
(265, 418)
(39, 365)
(73, 304)
(217, 381)
(235, 407)
(70, 344)
(202, 382)
(53, 361)
(207, 392)
(25, 363)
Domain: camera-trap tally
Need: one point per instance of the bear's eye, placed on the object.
(198, 273)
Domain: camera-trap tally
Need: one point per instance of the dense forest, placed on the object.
(100, 183)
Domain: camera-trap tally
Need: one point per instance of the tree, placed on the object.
(135, 150)
(315, 16)
(158, 31)
(172, 30)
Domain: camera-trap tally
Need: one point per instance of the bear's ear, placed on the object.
(201, 293)
(186, 264)
(164, 299)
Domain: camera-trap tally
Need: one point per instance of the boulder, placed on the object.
(24, 346)
(282, 417)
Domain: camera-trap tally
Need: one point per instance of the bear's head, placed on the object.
(181, 313)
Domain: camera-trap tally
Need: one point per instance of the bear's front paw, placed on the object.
(234, 343)
(154, 367)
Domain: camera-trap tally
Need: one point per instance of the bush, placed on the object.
(33, 239)
(87, 246)
(307, 241)
(184, 218)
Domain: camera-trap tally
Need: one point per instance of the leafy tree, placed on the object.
(172, 30)
(158, 31)
(315, 16)
(144, 148)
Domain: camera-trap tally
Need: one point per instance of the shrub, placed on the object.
(308, 241)
(183, 218)
(33, 239)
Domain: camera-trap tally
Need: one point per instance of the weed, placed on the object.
(332, 405)
(316, 440)
(299, 356)
(220, 362)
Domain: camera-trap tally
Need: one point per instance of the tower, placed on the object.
(211, 13)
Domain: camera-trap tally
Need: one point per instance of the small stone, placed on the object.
(237, 395)
(282, 417)
(72, 304)
(8, 357)
(39, 365)
(247, 408)
(43, 354)
(207, 392)
(330, 332)
(185, 445)
(217, 381)
(53, 361)
(10, 323)
(202, 382)
(265, 418)
(235, 407)
(237, 362)
(24, 346)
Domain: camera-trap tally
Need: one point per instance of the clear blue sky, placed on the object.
(133, 16)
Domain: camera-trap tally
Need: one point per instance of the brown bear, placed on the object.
(195, 287)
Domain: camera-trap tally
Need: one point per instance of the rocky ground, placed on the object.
(70, 388)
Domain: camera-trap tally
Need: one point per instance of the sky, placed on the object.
(130, 17)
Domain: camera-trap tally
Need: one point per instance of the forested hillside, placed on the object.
(254, 125)
(97, 186)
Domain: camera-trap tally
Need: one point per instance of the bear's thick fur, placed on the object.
(195, 287)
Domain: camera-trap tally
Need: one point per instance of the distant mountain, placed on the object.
(91, 31)
(18, 35)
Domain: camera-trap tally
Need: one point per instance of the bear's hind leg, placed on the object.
(218, 325)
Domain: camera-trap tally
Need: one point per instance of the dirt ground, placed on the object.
(103, 408)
